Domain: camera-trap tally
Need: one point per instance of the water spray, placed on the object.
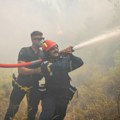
(98, 39)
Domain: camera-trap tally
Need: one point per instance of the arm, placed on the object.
(22, 57)
(68, 63)
(75, 62)
(28, 71)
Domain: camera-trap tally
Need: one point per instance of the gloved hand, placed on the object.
(67, 51)
(45, 68)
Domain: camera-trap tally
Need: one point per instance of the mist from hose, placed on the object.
(101, 38)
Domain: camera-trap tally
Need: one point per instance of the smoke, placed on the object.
(67, 22)
(101, 38)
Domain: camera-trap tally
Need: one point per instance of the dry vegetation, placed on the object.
(97, 98)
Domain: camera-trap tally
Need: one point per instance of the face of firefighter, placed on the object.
(37, 40)
(54, 52)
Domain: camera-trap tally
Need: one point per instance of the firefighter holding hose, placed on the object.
(27, 82)
(57, 81)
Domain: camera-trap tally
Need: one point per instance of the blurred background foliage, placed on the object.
(97, 92)
(97, 81)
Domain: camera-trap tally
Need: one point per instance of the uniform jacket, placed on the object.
(59, 81)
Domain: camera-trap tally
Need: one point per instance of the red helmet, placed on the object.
(48, 44)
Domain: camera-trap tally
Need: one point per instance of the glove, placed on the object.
(67, 51)
(45, 68)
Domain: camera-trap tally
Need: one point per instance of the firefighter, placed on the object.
(28, 78)
(57, 81)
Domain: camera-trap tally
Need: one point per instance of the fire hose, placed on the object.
(25, 64)
(97, 39)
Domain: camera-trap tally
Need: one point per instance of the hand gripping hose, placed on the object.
(25, 64)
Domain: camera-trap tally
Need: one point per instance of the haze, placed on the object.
(68, 22)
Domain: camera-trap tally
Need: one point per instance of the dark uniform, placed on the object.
(58, 87)
(26, 84)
